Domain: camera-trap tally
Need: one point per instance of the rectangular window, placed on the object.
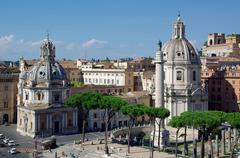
(56, 97)
(5, 104)
(6, 87)
(194, 75)
(26, 96)
(179, 75)
(213, 89)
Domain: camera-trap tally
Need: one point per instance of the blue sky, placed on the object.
(113, 28)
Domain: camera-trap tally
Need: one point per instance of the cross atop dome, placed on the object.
(179, 16)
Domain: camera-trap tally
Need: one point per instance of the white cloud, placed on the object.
(11, 48)
(93, 42)
(6, 39)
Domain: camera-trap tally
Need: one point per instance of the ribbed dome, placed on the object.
(47, 70)
(179, 50)
(43, 71)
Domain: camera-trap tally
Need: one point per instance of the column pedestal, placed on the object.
(164, 138)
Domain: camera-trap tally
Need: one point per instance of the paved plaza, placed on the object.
(93, 149)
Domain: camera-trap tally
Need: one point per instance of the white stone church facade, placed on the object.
(183, 90)
(42, 90)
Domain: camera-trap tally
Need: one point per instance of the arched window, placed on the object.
(39, 96)
(210, 42)
(179, 75)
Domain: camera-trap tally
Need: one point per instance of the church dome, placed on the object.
(47, 70)
(179, 49)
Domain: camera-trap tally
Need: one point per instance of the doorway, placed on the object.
(5, 118)
(56, 127)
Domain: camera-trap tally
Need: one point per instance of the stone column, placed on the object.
(194, 148)
(223, 142)
(216, 146)
(36, 123)
(63, 120)
(50, 122)
(38, 120)
(73, 120)
(47, 121)
(77, 119)
(159, 96)
(229, 140)
(66, 118)
(235, 134)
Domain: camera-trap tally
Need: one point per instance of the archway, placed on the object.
(5, 118)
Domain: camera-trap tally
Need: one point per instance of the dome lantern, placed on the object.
(47, 50)
(178, 28)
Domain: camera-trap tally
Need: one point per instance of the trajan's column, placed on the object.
(159, 96)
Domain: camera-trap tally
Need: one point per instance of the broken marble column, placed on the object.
(217, 146)
(223, 142)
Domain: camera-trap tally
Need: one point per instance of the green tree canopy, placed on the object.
(113, 103)
(88, 100)
(233, 119)
(200, 119)
(133, 111)
(177, 122)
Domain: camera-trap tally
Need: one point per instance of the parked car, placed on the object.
(1, 143)
(1, 136)
(6, 140)
(13, 151)
(11, 143)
